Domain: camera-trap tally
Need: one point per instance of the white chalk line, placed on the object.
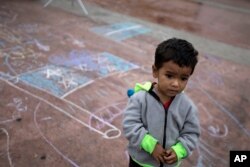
(213, 129)
(92, 81)
(223, 109)
(123, 29)
(14, 117)
(81, 109)
(69, 115)
(39, 130)
(46, 118)
(6, 121)
(8, 144)
(204, 146)
(79, 87)
(105, 110)
(32, 85)
(113, 128)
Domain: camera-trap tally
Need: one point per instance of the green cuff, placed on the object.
(148, 143)
(180, 150)
(145, 86)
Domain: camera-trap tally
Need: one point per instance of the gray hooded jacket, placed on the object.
(145, 114)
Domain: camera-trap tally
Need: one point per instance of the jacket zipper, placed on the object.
(165, 119)
(164, 132)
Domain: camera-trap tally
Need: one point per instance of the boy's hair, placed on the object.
(177, 50)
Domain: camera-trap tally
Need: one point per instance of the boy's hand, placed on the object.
(159, 153)
(170, 157)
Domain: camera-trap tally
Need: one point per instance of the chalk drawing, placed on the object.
(100, 94)
(224, 110)
(215, 128)
(7, 121)
(74, 58)
(83, 102)
(19, 106)
(202, 158)
(112, 132)
(6, 62)
(101, 65)
(50, 143)
(203, 145)
(107, 114)
(53, 72)
(216, 131)
(9, 77)
(114, 64)
(30, 28)
(19, 66)
(18, 53)
(121, 31)
(20, 58)
(46, 118)
(21, 52)
(8, 145)
(54, 79)
(79, 43)
(49, 33)
(68, 82)
(197, 84)
(122, 74)
(10, 37)
(41, 46)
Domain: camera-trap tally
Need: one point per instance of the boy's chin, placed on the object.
(172, 93)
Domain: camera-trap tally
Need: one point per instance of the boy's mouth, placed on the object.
(173, 91)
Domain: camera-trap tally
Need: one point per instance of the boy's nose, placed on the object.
(175, 83)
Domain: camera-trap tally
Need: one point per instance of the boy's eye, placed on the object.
(169, 76)
(184, 79)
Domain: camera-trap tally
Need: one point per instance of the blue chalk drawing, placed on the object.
(112, 63)
(6, 76)
(54, 79)
(64, 75)
(74, 58)
(103, 64)
(121, 31)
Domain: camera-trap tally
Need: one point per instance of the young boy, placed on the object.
(160, 121)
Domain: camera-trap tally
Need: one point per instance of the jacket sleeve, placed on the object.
(191, 131)
(180, 150)
(133, 128)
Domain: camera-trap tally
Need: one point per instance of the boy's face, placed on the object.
(172, 79)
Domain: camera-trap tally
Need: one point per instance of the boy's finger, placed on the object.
(158, 160)
(171, 161)
(170, 157)
(161, 159)
(168, 151)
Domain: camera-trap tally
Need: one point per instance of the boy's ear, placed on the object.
(154, 71)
